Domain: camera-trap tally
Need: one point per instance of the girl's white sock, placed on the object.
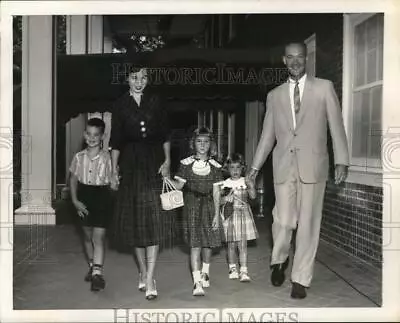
(232, 266)
(206, 268)
(196, 276)
(243, 269)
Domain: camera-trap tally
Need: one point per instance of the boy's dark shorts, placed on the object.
(98, 202)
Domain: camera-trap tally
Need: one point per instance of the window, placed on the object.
(362, 89)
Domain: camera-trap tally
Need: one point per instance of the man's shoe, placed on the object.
(298, 291)
(278, 273)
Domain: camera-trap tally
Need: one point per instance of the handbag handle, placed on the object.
(168, 185)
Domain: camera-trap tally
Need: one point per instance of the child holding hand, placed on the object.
(238, 221)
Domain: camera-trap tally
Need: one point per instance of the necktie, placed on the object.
(296, 98)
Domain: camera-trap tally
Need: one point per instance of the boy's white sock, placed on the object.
(232, 266)
(196, 276)
(97, 270)
(206, 268)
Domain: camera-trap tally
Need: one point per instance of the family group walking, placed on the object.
(216, 209)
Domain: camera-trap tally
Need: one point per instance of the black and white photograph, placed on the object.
(220, 162)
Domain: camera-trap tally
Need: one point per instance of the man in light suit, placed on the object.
(297, 116)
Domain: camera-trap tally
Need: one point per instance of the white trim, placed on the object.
(358, 18)
(311, 44)
(347, 78)
(368, 86)
(364, 178)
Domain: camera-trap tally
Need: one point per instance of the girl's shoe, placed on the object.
(244, 277)
(142, 284)
(98, 283)
(198, 289)
(152, 294)
(233, 274)
(205, 280)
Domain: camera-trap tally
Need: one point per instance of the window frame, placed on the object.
(372, 167)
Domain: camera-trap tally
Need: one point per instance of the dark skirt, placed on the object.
(138, 218)
(98, 202)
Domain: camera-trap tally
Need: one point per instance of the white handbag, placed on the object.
(171, 198)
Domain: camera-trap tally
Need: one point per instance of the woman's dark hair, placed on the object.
(203, 131)
(98, 123)
(233, 159)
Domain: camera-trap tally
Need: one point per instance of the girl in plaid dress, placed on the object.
(238, 222)
(201, 225)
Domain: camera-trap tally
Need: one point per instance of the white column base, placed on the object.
(31, 214)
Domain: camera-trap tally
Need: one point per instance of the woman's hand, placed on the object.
(81, 208)
(164, 169)
(215, 222)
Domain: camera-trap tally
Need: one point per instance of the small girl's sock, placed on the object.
(97, 270)
(206, 268)
(196, 276)
(90, 263)
(243, 269)
(232, 266)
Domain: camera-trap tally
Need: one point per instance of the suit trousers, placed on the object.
(297, 204)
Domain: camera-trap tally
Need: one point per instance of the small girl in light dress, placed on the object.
(238, 222)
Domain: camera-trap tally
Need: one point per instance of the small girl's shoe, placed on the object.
(244, 277)
(152, 294)
(198, 289)
(142, 284)
(233, 274)
(205, 280)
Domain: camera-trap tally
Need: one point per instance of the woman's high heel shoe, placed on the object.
(142, 284)
(152, 294)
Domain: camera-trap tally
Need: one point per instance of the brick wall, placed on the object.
(352, 220)
(352, 214)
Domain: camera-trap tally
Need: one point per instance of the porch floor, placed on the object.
(49, 268)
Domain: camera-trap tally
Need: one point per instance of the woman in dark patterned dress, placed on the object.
(201, 228)
(140, 158)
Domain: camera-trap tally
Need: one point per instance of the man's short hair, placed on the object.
(301, 43)
(96, 122)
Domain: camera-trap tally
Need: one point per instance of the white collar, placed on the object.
(301, 81)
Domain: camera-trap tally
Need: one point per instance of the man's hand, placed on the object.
(340, 173)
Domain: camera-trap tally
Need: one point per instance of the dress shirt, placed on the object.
(292, 84)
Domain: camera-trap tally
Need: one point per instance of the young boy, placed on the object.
(90, 180)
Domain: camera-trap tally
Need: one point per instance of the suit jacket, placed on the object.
(308, 142)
